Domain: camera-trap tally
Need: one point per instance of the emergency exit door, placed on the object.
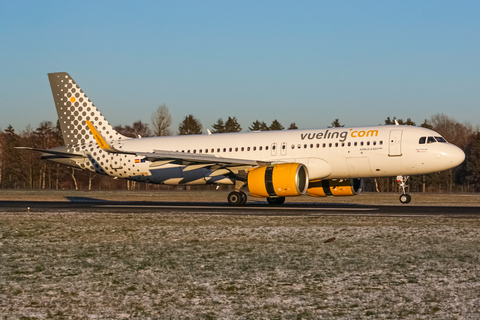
(395, 143)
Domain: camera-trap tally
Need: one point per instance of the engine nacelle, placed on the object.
(279, 180)
(335, 188)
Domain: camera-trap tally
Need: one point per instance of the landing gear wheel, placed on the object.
(405, 198)
(278, 200)
(402, 183)
(236, 198)
(244, 198)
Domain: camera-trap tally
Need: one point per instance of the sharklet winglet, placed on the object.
(102, 143)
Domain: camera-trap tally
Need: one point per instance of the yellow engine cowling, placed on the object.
(335, 188)
(280, 180)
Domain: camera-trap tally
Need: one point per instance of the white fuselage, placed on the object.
(332, 153)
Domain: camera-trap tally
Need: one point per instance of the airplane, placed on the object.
(272, 164)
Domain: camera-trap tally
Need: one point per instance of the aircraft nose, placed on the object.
(455, 155)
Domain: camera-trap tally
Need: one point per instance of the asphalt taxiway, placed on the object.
(251, 208)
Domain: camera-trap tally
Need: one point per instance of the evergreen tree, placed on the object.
(276, 125)
(389, 121)
(427, 125)
(190, 125)
(293, 126)
(219, 127)
(232, 125)
(409, 121)
(259, 126)
(336, 124)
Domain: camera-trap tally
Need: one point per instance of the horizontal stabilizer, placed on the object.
(58, 153)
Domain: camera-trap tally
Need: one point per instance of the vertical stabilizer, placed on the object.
(74, 108)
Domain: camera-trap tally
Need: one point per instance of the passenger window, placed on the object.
(236, 149)
(243, 148)
(343, 144)
(311, 146)
(260, 148)
(441, 139)
(299, 146)
(195, 151)
(355, 143)
(283, 146)
(431, 140)
(254, 148)
(248, 148)
(330, 145)
(224, 149)
(361, 143)
(305, 146)
(218, 149)
(422, 140)
(266, 148)
(349, 144)
(213, 150)
(230, 149)
(381, 142)
(374, 143)
(188, 151)
(368, 143)
(318, 145)
(293, 146)
(199, 150)
(336, 144)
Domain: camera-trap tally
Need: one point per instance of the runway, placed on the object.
(251, 208)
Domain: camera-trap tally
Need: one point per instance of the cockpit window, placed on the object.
(422, 140)
(431, 140)
(441, 139)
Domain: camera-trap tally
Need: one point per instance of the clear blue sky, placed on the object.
(307, 62)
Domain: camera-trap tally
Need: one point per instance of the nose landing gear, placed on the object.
(404, 197)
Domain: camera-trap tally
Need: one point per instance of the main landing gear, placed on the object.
(237, 197)
(404, 197)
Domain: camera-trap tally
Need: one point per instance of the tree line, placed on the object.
(24, 170)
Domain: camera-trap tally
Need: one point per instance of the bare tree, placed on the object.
(161, 121)
(456, 133)
(138, 129)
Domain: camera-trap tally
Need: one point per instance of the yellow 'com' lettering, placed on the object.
(360, 134)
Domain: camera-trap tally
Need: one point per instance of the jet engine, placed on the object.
(335, 187)
(279, 180)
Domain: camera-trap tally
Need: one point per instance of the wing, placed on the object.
(191, 160)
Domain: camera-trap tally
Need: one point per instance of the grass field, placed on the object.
(81, 265)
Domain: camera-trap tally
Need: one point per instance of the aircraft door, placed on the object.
(283, 149)
(274, 149)
(116, 162)
(395, 143)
